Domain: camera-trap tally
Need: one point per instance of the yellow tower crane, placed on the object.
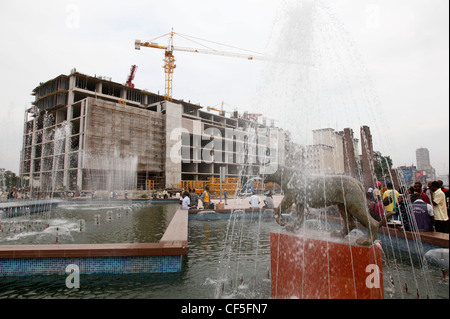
(169, 60)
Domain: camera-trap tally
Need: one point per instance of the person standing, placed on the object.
(193, 198)
(428, 192)
(439, 208)
(418, 189)
(403, 212)
(423, 213)
(392, 195)
(225, 195)
(446, 193)
(377, 192)
(206, 198)
(376, 209)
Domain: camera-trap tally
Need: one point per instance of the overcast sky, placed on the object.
(397, 52)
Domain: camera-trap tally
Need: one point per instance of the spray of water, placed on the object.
(320, 81)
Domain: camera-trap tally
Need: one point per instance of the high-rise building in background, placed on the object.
(423, 158)
(425, 172)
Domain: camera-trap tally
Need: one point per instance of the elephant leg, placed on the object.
(372, 232)
(373, 227)
(286, 202)
(300, 211)
(349, 223)
(278, 217)
(359, 209)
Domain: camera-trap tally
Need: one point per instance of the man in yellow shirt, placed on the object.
(206, 198)
(393, 194)
(439, 208)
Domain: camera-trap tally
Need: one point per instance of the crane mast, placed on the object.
(169, 67)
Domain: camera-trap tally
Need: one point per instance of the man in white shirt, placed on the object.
(440, 208)
(186, 201)
(254, 201)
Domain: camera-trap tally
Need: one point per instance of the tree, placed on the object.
(11, 180)
(382, 165)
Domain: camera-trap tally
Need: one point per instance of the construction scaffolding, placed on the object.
(231, 184)
(127, 136)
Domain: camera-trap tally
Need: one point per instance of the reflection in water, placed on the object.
(90, 224)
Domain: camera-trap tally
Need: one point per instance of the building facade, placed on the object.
(332, 152)
(425, 172)
(423, 159)
(87, 133)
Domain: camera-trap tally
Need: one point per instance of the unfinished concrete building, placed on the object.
(87, 133)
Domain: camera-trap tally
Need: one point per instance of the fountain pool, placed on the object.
(241, 246)
(90, 223)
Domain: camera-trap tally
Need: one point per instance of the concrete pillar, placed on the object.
(367, 158)
(99, 87)
(173, 143)
(70, 99)
(22, 152)
(81, 146)
(349, 153)
(123, 94)
(33, 155)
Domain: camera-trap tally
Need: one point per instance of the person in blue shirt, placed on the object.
(225, 195)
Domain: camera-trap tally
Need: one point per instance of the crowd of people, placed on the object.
(13, 194)
(190, 199)
(420, 207)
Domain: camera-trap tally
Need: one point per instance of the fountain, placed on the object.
(82, 224)
(118, 174)
(243, 257)
(57, 234)
(59, 143)
(327, 87)
(109, 215)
